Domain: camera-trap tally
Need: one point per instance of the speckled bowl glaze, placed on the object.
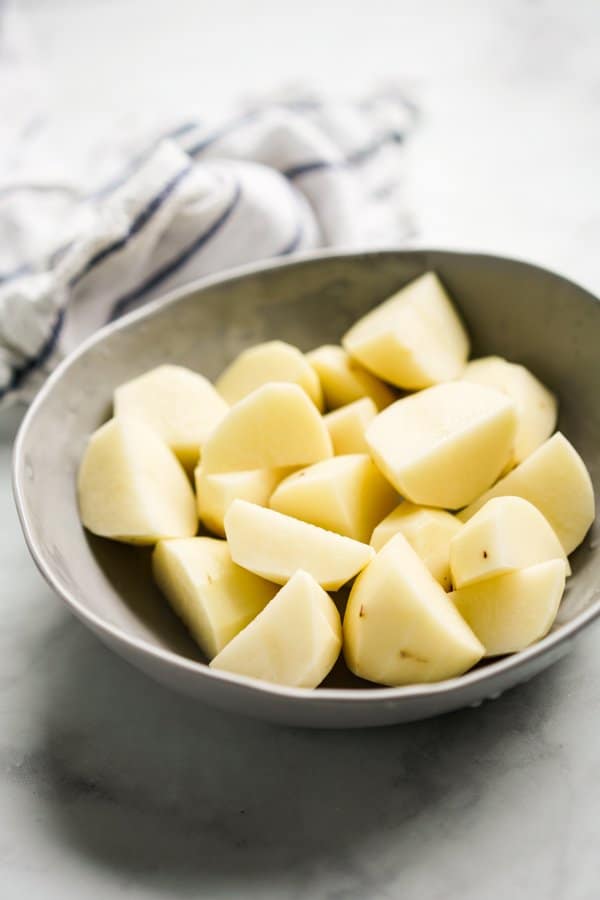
(512, 309)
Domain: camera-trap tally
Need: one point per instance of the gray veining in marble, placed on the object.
(112, 787)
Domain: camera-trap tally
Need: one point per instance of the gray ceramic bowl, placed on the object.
(512, 309)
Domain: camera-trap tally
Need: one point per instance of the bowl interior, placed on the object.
(512, 309)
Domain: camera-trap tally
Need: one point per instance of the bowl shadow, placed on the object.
(162, 790)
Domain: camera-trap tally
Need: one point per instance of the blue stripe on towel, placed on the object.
(138, 223)
(295, 242)
(179, 131)
(24, 269)
(392, 96)
(226, 129)
(169, 268)
(353, 159)
(20, 373)
(251, 115)
(293, 172)
(138, 160)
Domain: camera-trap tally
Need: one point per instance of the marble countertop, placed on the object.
(112, 786)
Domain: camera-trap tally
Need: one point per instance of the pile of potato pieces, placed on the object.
(439, 485)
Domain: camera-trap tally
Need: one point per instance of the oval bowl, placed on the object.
(512, 309)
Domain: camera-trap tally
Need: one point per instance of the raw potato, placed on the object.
(276, 425)
(347, 426)
(343, 380)
(131, 487)
(310, 502)
(400, 626)
(414, 339)
(428, 531)
(272, 361)
(275, 546)
(216, 493)
(444, 445)
(214, 597)
(346, 494)
(536, 406)
(180, 405)
(294, 641)
(555, 479)
(507, 533)
(512, 611)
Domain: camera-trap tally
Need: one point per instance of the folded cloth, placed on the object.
(282, 175)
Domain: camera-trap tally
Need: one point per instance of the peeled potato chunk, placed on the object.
(536, 406)
(440, 446)
(507, 533)
(343, 380)
(180, 405)
(347, 426)
(276, 425)
(214, 597)
(428, 531)
(346, 494)
(414, 339)
(294, 641)
(271, 361)
(216, 493)
(554, 478)
(274, 546)
(512, 611)
(131, 487)
(400, 626)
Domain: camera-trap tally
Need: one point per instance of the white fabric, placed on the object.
(86, 235)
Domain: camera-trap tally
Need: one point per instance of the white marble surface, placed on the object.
(109, 785)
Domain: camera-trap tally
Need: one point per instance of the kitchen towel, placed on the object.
(86, 236)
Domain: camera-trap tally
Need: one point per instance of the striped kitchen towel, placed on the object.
(79, 249)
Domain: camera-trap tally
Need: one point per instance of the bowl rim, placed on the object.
(115, 635)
